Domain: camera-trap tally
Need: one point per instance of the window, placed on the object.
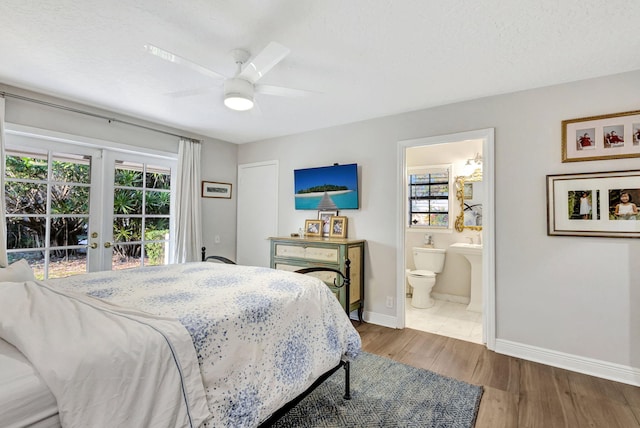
(429, 196)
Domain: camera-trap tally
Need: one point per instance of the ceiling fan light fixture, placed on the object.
(238, 94)
(238, 102)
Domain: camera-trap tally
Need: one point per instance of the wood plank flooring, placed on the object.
(517, 393)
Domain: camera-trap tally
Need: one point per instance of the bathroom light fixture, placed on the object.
(474, 164)
(238, 94)
(477, 160)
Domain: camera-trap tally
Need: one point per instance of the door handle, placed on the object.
(107, 245)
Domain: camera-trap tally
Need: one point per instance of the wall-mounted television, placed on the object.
(327, 188)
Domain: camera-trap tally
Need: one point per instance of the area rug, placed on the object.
(385, 393)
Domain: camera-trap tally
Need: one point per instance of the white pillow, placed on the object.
(19, 271)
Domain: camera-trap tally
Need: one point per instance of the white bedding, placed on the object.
(25, 399)
(261, 336)
(105, 365)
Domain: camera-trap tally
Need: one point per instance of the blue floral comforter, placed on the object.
(262, 336)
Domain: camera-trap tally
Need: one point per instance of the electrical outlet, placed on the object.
(389, 301)
(216, 239)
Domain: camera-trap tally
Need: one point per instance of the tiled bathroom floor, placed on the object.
(446, 319)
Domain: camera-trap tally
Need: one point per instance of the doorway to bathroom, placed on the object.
(461, 309)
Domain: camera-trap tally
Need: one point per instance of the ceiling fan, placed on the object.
(239, 90)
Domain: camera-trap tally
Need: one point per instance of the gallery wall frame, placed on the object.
(609, 136)
(605, 204)
(214, 189)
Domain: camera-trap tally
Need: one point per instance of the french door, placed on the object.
(73, 209)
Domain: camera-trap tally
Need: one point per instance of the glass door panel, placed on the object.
(141, 214)
(47, 197)
(73, 209)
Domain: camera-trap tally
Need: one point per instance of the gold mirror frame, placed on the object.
(460, 180)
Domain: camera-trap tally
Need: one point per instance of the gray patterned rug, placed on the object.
(386, 393)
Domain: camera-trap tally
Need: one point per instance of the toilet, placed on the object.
(429, 262)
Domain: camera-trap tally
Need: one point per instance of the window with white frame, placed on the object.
(429, 196)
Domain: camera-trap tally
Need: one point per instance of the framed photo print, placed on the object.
(213, 189)
(611, 136)
(325, 216)
(338, 227)
(313, 227)
(594, 204)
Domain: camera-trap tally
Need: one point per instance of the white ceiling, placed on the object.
(364, 58)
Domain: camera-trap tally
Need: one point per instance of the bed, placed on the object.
(207, 344)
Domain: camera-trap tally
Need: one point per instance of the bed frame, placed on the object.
(341, 280)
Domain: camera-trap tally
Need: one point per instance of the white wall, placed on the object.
(569, 296)
(218, 163)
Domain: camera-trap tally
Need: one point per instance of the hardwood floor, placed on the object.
(517, 393)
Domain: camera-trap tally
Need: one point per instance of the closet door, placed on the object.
(257, 212)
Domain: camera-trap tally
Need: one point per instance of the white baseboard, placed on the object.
(576, 363)
(589, 366)
(380, 319)
(450, 298)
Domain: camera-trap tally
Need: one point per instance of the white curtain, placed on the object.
(3, 222)
(188, 217)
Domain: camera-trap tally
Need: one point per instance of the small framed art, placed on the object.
(325, 216)
(313, 227)
(213, 189)
(611, 136)
(594, 204)
(338, 227)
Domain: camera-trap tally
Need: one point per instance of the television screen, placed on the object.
(327, 188)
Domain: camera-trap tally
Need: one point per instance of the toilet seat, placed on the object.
(422, 274)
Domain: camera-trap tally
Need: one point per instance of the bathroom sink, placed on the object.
(465, 248)
(473, 254)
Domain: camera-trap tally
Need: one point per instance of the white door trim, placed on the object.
(488, 233)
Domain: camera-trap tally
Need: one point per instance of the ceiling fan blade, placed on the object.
(264, 61)
(282, 92)
(171, 57)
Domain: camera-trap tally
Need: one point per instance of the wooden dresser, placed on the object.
(297, 253)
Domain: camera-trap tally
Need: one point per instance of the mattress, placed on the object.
(25, 399)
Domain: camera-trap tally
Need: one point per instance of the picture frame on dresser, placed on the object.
(313, 228)
(325, 216)
(338, 227)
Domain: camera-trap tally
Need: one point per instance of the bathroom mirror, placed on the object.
(469, 194)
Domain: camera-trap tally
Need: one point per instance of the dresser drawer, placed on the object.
(307, 253)
(296, 253)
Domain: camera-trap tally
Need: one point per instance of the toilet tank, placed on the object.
(429, 258)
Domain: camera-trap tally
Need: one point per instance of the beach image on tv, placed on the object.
(326, 188)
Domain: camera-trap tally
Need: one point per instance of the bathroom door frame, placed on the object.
(488, 233)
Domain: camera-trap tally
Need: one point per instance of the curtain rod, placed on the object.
(86, 113)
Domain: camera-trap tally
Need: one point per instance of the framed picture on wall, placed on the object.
(338, 227)
(594, 204)
(610, 136)
(213, 189)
